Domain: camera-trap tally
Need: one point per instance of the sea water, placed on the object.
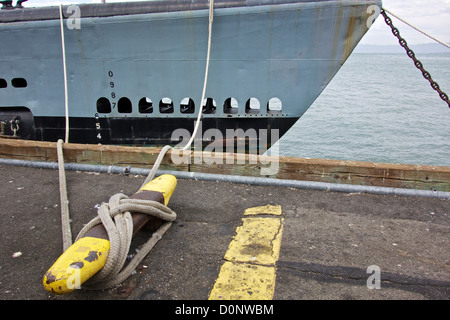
(378, 108)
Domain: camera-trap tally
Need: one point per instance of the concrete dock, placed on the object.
(329, 239)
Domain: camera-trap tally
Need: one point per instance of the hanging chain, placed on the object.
(412, 55)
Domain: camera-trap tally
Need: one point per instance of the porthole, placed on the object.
(3, 83)
(230, 106)
(166, 105)
(252, 106)
(274, 105)
(124, 105)
(19, 83)
(209, 106)
(187, 105)
(103, 105)
(145, 105)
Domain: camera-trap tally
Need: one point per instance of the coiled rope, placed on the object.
(116, 218)
(115, 215)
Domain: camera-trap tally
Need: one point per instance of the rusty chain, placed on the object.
(412, 55)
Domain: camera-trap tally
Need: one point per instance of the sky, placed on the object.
(431, 16)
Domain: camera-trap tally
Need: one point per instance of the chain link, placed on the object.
(412, 55)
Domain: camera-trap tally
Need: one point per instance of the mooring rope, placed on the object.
(66, 94)
(417, 29)
(115, 215)
(65, 219)
(116, 218)
(166, 148)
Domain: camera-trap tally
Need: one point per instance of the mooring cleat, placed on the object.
(88, 255)
(76, 265)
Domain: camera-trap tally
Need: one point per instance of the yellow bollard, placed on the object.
(88, 255)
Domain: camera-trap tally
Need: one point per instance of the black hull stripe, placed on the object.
(146, 131)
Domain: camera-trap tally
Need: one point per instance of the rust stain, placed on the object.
(356, 26)
(349, 38)
(50, 278)
(336, 37)
(92, 256)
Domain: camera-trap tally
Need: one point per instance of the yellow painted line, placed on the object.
(242, 281)
(257, 241)
(269, 209)
(249, 272)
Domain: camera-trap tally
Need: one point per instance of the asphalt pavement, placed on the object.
(334, 246)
